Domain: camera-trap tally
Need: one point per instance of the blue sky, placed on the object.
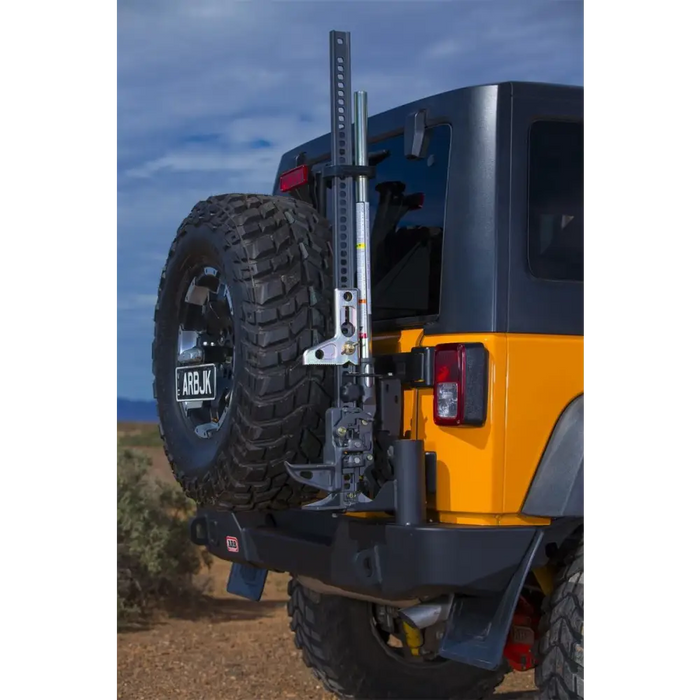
(212, 92)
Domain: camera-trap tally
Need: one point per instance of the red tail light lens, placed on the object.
(448, 399)
(296, 177)
(460, 384)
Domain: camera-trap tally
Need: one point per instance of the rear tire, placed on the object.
(559, 675)
(271, 256)
(338, 644)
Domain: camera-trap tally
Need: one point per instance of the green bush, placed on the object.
(155, 559)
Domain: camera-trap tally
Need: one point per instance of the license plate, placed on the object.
(196, 383)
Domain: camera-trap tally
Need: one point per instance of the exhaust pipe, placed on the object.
(426, 615)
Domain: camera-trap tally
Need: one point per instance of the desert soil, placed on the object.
(226, 648)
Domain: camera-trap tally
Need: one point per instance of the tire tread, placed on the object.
(279, 250)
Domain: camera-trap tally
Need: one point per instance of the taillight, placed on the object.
(448, 401)
(296, 177)
(460, 384)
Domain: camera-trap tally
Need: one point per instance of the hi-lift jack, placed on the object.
(349, 450)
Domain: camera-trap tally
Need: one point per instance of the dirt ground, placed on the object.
(227, 648)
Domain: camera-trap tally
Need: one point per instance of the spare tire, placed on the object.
(247, 287)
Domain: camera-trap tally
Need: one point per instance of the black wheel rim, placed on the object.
(206, 336)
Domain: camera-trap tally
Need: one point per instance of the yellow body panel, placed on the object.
(483, 474)
(545, 374)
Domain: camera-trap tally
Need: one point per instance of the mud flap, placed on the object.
(246, 581)
(477, 628)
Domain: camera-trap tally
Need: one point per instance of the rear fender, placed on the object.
(556, 490)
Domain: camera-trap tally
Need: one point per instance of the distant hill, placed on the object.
(130, 411)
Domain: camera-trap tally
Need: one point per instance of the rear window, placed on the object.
(555, 203)
(407, 218)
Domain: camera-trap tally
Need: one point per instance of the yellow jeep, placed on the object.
(373, 380)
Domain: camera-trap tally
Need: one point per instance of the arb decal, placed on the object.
(232, 544)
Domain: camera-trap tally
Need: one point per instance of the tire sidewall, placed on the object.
(199, 247)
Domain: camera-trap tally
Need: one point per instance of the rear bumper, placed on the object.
(367, 556)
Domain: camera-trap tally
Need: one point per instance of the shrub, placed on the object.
(156, 560)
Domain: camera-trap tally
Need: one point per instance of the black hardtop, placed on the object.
(391, 122)
(484, 251)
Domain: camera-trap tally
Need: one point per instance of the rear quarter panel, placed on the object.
(483, 474)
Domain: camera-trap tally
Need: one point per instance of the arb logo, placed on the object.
(232, 544)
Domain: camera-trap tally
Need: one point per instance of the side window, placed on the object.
(407, 209)
(555, 201)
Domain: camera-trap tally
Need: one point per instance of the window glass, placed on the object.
(555, 206)
(407, 218)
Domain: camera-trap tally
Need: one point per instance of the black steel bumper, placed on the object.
(369, 556)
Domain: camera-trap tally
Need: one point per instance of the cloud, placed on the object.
(211, 93)
(247, 147)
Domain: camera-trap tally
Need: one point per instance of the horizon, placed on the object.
(136, 410)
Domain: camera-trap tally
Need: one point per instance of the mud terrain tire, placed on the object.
(273, 255)
(559, 675)
(338, 644)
